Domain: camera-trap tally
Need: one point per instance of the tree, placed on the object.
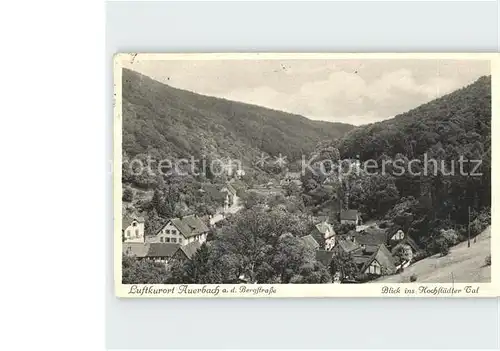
(312, 273)
(199, 269)
(252, 199)
(343, 264)
(128, 195)
(402, 254)
(292, 189)
(251, 245)
(142, 271)
(153, 222)
(291, 255)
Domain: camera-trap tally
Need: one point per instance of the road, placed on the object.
(461, 265)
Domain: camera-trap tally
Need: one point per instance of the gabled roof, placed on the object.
(325, 257)
(230, 188)
(128, 219)
(190, 249)
(135, 249)
(238, 185)
(142, 250)
(162, 249)
(323, 227)
(126, 222)
(310, 241)
(349, 215)
(347, 245)
(408, 241)
(189, 226)
(370, 236)
(379, 253)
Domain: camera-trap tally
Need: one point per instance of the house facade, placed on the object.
(350, 217)
(182, 231)
(133, 229)
(398, 236)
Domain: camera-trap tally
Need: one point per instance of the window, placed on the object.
(137, 233)
(167, 240)
(167, 231)
(128, 233)
(180, 240)
(174, 231)
(174, 240)
(134, 224)
(161, 239)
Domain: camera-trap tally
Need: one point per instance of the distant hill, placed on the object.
(176, 123)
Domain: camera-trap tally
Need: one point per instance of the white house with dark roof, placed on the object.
(350, 217)
(223, 194)
(133, 229)
(181, 231)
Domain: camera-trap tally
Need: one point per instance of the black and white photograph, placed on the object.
(329, 171)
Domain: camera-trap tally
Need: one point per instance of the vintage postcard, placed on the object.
(305, 175)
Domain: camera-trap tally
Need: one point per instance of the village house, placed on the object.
(231, 199)
(324, 257)
(350, 217)
(374, 260)
(397, 240)
(160, 252)
(347, 245)
(181, 231)
(368, 251)
(324, 230)
(133, 229)
(225, 195)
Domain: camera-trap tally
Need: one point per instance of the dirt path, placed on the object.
(462, 264)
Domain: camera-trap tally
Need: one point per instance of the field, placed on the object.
(461, 265)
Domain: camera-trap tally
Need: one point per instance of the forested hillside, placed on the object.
(169, 122)
(456, 121)
(437, 192)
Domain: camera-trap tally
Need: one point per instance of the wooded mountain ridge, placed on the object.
(170, 122)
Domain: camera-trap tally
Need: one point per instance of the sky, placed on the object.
(350, 91)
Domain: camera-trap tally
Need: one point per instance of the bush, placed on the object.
(487, 260)
(413, 278)
(444, 248)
